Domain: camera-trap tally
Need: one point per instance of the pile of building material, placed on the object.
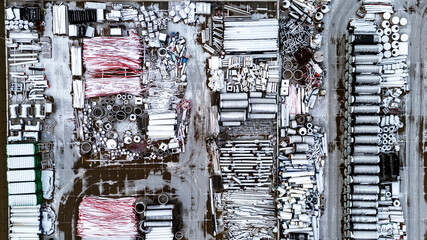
(246, 168)
(255, 36)
(243, 74)
(115, 216)
(236, 108)
(156, 220)
(302, 159)
(376, 78)
(306, 11)
(24, 189)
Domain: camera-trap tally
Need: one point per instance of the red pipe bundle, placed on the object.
(107, 218)
(112, 65)
(112, 55)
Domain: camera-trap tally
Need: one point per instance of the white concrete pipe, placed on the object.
(233, 96)
(367, 89)
(363, 197)
(365, 109)
(364, 179)
(369, 99)
(262, 108)
(366, 139)
(232, 116)
(368, 79)
(234, 104)
(366, 189)
(364, 219)
(362, 48)
(365, 129)
(366, 169)
(359, 119)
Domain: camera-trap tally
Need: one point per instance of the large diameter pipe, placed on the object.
(362, 211)
(367, 89)
(367, 48)
(360, 119)
(162, 116)
(365, 159)
(366, 149)
(366, 169)
(365, 189)
(367, 59)
(365, 38)
(365, 129)
(262, 108)
(233, 96)
(234, 104)
(363, 197)
(371, 99)
(364, 204)
(232, 116)
(261, 116)
(365, 109)
(263, 100)
(364, 219)
(364, 234)
(364, 179)
(368, 69)
(365, 226)
(368, 79)
(366, 139)
(158, 224)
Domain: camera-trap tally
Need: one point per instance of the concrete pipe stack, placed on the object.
(236, 108)
(246, 169)
(157, 223)
(369, 212)
(301, 180)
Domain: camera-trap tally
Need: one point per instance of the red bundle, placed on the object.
(110, 56)
(107, 218)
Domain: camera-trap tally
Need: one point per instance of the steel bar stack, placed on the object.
(246, 168)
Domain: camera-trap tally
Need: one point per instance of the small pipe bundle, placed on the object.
(107, 218)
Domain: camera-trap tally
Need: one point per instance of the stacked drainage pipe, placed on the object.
(369, 211)
(236, 108)
(249, 210)
(157, 221)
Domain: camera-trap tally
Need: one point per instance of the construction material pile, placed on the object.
(115, 218)
(24, 186)
(302, 159)
(243, 74)
(250, 35)
(376, 80)
(246, 168)
(113, 65)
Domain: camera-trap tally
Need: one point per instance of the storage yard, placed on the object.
(290, 119)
